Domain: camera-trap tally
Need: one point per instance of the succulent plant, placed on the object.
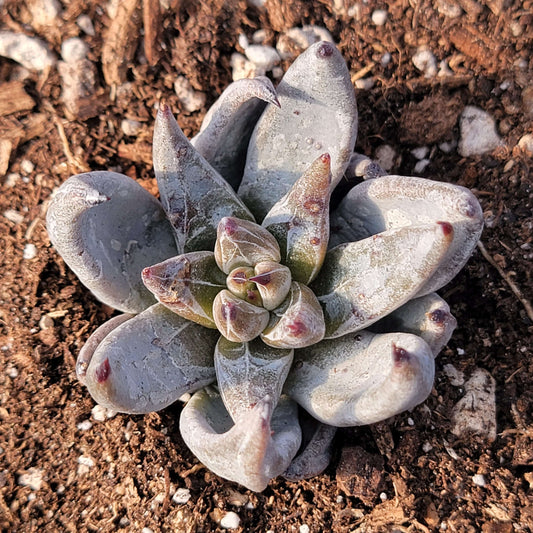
(227, 289)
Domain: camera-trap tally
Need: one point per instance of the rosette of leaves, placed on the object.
(227, 289)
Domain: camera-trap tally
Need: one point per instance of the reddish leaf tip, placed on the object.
(262, 279)
(103, 371)
(447, 228)
(324, 50)
(400, 355)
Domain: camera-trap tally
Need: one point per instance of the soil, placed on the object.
(410, 473)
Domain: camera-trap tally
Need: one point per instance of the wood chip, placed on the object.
(121, 42)
(14, 98)
(151, 24)
(6, 147)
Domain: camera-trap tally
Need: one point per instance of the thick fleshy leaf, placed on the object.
(248, 372)
(395, 201)
(105, 242)
(363, 281)
(187, 285)
(300, 221)
(243, 243)
(227, 127)
(273, 281)
(259, 447)
(151, 360)
(194, 195)
(318, 114)
(316, 450)
(297, 322)
(236, 319)
(428, 317)
(361, 379)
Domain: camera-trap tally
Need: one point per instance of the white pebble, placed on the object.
(259, 36)
(73, 50)
(386, 58)
(30, 251)
(146, 530)
(421, 166)
(526, 143)
(243, 41)
(364, 83)
(12, 179)
(478, 132)
(421, 152)
(339, 498)
(190, 99)
(181, 496)
(242, 68)
(379, 17)
(447, 147)
(27, 166)
(130, 127)
(479, 480)
(426, 447)
(33, 478)
(85, 24)
(30, 52)
(45, 12)
(86, 425)
(101, 413)
(12, 372)
(86, 460)
(304, 528)
(300, 38)
(14, 216)
(444, 69)
(449, 9)
(425, 61)
(383, 496)
(230, 520)
(385, 156)
(263, 56)
(410, 421)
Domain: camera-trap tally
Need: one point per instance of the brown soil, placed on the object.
(424, 470)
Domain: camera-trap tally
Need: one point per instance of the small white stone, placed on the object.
(130, 127)
(277, 72)
(421, 166)
(460, 351)
(526, 143)
(73, 50)
(181, 496)
(516, 28)
(190, 99)
(85, 24)
(447, 147)
(364, 84)
(45, 12)
(12, 372)
(146, 530)
(300, 38)
(444, 69)
(383, 496)
(259, 36)
(242, 68)
(410, 421)
(12, 179)
(304, 528)
(379, 17)
(230, 520)
(478, 132)
(14, 216)
(339, 498)
(86, 425)
(27, 166)
(504, 85)
(426, 447)
(30, 251)
(30, 52)
(449, 9)
(263, 56)
(243, 41)
(479, 480)
(385, 156)
(33, 478)
(101, 413)
(421, 152)
(86, 460)
(386, 58)
(425, 61)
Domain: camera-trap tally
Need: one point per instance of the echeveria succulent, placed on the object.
(228, 290)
